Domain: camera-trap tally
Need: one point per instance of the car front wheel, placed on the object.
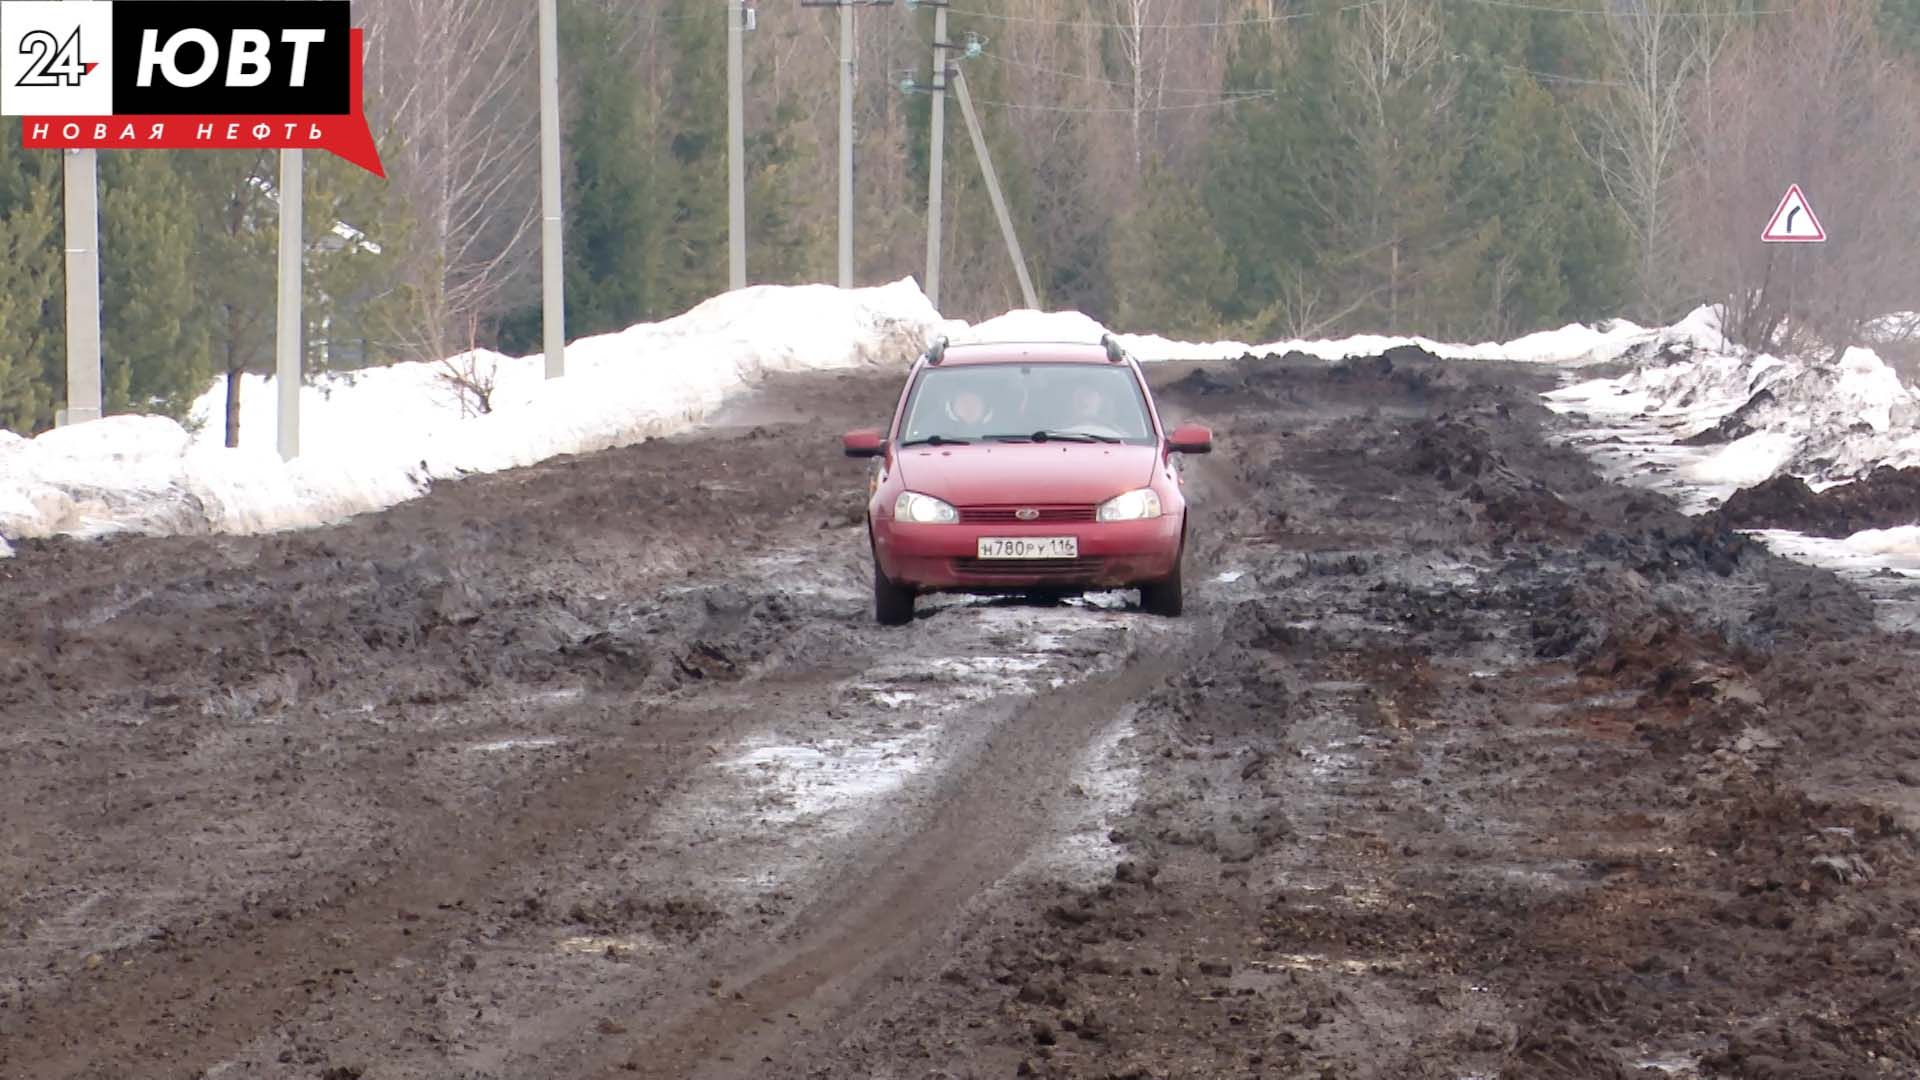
(1164, 597)
(892, 604)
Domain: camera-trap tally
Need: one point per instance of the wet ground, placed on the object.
(1465, 762)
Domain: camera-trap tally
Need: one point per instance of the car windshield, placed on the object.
(1071, 402)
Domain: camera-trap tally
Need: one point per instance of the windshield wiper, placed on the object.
(935, 440)
(1071, 436)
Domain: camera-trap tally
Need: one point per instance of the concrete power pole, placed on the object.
(937, 159)
(736, 148)
(287, 337)
(83, 287)
(82, 225)
(553, 266)
(846, 126)
(993, 189)
(846, 146)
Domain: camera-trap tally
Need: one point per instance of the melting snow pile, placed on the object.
(1701, 420)
(1756, 416)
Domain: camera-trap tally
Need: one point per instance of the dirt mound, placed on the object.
(1400, 376)
(1885, 498)
(1458, 451)
(1665, 553)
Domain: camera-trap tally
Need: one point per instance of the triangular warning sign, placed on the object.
(1794, 222)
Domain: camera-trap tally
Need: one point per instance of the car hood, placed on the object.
(987, 474)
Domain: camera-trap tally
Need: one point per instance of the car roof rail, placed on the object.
(1115, 354)
(937, 351)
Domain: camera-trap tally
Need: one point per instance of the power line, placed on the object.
(1010, 62)
(1094, 24)
(1253, 95)
(1548, 76)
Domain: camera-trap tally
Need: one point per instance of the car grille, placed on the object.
(1005, 515)
(1042, 569)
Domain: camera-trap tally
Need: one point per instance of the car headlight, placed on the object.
(923, 509)
(1136, 505)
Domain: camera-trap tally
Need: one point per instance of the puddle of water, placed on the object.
(1109, 777)
(1231, 576)
(805, 781)
(601, 945)
(562, 696)
(1671, 1064)
(986, 665)
(531, 743)
(1276, 966)
(1324, 765)
(771, 808)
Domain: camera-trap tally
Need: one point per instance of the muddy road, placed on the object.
(1464, 763)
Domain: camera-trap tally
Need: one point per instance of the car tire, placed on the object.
(892, 604)
(1164, 597)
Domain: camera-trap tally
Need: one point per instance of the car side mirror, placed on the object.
(864, 443)
(1190, 439)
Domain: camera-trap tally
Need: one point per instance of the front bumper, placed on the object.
(944, 558)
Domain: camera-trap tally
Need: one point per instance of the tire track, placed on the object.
(887, 914)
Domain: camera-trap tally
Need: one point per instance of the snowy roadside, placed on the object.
(1699, 421)
(375, 438)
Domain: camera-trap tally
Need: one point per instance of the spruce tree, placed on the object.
(236, 261)
(31, 281)
(153, 339)
(1265, 180)
(1174, 273)
(788, 244)
(357, 291)
(694, 112)
(613, 226)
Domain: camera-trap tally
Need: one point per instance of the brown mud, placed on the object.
(1883, 499)
(1463, 763)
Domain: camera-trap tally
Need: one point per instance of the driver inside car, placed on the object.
(1090, 411)
(970, 410)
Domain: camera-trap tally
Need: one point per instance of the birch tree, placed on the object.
(454, 82)
(1653, 50)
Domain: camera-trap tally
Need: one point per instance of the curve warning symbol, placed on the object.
(1793, 222)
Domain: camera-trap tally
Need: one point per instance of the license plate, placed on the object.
(1029, 547)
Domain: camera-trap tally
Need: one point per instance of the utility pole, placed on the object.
(937, 159)
(737, 13)
(959, 82)
(287, 337)
(82, 208)
(846, 146)
(846, 125)
(552, 266)
(82, 227)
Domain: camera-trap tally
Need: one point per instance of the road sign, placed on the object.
(1793, 222)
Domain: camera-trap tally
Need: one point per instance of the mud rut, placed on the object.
(1464, 764)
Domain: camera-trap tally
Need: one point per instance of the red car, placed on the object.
(1025, 468)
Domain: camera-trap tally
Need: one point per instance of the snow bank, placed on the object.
(375, 438)
(1760, 415)
(1572, 343)
(1902, 543)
